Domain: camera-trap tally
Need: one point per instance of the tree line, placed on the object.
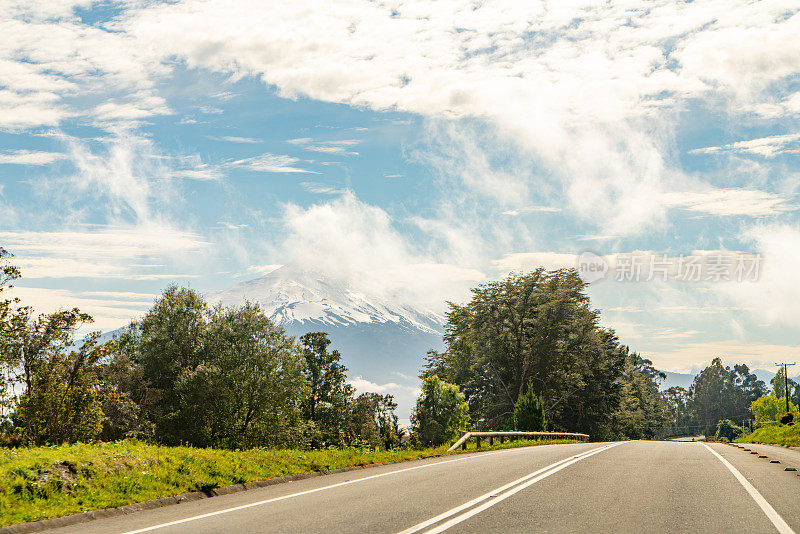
(526, 352)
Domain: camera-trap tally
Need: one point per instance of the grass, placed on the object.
(43, 482)
(773, 434)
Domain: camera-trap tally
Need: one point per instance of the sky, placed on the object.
(414, 149)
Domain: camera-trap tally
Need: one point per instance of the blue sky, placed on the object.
(412, 149)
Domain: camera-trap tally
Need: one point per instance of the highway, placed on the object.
(636, 486)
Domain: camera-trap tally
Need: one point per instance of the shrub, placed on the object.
(529, 412)
(727, 430)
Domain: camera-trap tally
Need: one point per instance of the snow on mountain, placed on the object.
(382, 341)
(294, 296)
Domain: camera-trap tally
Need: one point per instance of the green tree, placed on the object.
(223, 377)
(770, 408)
(642, 412)
(14, 319)
(539, 329)
(250, 387)
(679, 418)
(330, 396)
(780, 383)
(168, 341)
(720, 392)
(373, 422)
(60, 402)
(529, 412)
(441, 413)
(727, 430)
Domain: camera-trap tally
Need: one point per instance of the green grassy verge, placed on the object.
(44, 482)
(773, 434)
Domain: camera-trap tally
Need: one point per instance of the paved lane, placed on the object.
(593, 487)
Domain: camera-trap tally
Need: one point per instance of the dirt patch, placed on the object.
(61, 475)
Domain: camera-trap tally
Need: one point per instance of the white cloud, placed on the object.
(322, 189)
(768, 147)
(271, 163)
(30, 157)
(263, 269)
(339, 147)
(359, 244)
(729, 202)
(530, 209)
(201, 172)
(699, 354)
(235, 139)
(110, 310)
(587, 91)
(775, 296)
(122, 252)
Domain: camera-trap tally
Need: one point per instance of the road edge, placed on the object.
(103, 513)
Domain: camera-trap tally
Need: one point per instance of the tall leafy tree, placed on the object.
(249, 388)
(373, 421)
(60, 401)
(720, 392)
(680, 420)
(441, 413)
(13, 321)
(167, 341)
(330, 396)
(539, 329)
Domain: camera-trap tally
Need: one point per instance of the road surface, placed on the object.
(636, 486)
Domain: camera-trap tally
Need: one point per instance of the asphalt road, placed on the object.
(635, 486)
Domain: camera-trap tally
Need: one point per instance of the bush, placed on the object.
(529, 412)
(727, 430)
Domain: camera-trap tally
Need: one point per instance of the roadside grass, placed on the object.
(773, 434)
(44, 482)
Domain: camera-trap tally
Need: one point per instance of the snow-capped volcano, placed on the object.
(382, 341)
(292, 297)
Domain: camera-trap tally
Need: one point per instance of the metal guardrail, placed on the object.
(503, 435)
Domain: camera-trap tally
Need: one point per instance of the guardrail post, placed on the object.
(491, 440)
(477, 442)
(464, 445)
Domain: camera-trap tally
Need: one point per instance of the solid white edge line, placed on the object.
(773, 516)
(493, 493)
(315, 490)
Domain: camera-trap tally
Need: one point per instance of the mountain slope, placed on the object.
(378, 337)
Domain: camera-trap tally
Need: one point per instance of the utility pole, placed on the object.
(786, 382)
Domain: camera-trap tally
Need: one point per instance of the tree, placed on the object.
(534, 331)
(330, 396)
(642, 412)
(373, 421)
(679, 416)
(780, 383)
(727, 430)
(165, 343)
(250, 387)
(223, 377)
(60, 402)
(770, 408)
(13, 321)
(723, 393)
(441, 413)
(529, 412)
